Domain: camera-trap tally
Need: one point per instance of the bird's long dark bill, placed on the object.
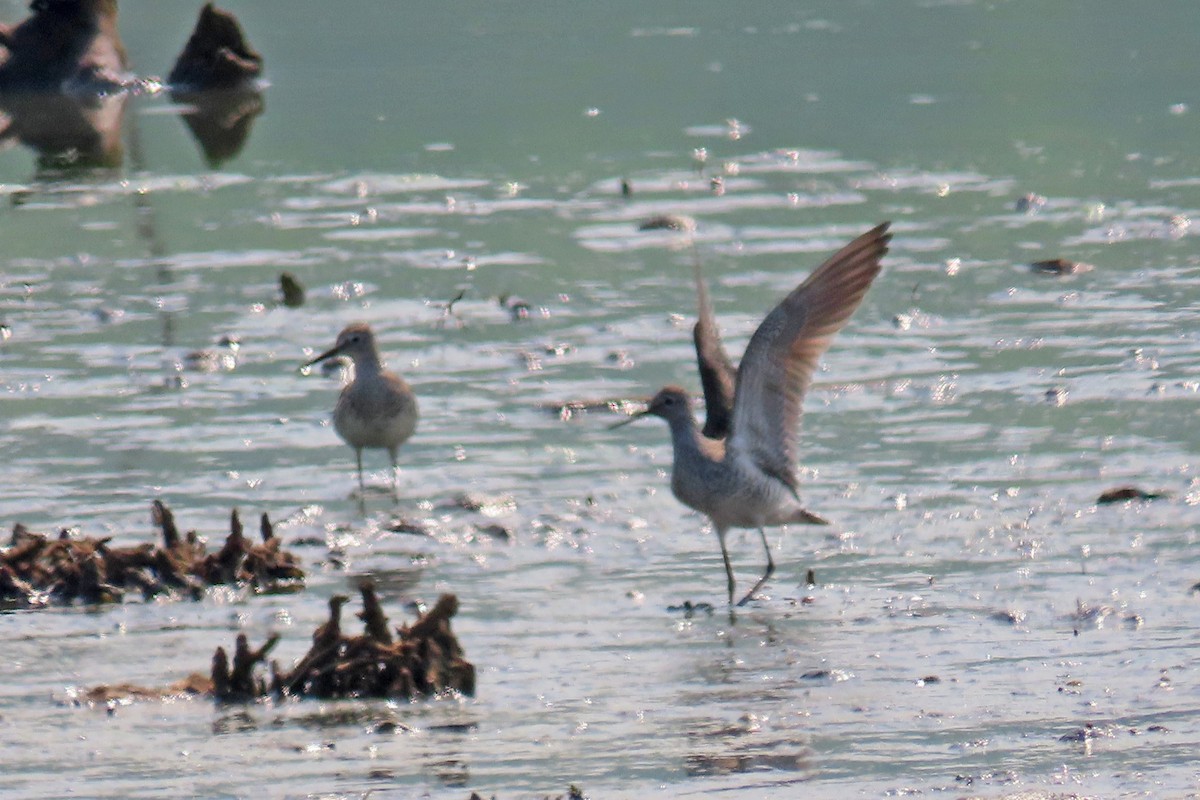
(330, 353)
(624, 422)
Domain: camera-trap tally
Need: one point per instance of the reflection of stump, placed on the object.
(426, 659)
(68, 132)
(217, 56)
(220, 119)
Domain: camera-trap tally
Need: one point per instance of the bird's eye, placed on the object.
(668, 401)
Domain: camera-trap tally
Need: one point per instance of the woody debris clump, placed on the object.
(418, 660)
(38, 569)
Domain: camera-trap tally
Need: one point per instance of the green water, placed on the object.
(960, 429)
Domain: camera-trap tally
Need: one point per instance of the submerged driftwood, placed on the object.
(38, 569)
(1122, 494)
(418, 660)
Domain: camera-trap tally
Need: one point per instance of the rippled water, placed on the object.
(978, 623)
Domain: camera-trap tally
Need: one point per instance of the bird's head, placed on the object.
(670, 403)
(356, 340)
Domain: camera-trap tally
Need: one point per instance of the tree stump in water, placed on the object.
(216, 56)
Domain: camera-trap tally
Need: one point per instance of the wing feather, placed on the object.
(718, 376)
(778, 366)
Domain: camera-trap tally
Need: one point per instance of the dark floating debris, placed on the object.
(573, 793)
(413, 527)
(1008, 617)
(293, 290)
(668, 222)
(1060, 266)
(210, 360)
(1095, 616)
(1088, 732)
(494, 532)
(690, 609)
(1029, 203)
(1056, 396)
(518, 308)
(480, 503)
(38, 570)
(418, 660)
(571, 408)
(1123, 493)
(620, 359)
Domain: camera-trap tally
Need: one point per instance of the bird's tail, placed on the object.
(808, 518)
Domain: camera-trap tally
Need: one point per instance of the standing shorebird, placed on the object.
(748, 479)
(377, 408)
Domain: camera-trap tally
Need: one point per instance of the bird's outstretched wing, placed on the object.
(777, 368)
(717, 373)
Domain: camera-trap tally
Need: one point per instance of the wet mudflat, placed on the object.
(979, 624)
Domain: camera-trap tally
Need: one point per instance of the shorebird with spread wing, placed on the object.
(740, 471)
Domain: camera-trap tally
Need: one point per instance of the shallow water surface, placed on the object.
(978, 624)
